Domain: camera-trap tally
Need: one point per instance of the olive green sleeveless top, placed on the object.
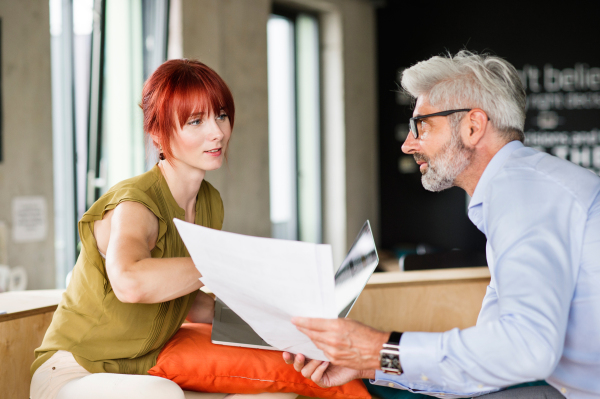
(102, 333)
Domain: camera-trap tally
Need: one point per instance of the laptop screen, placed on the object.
(355, 271)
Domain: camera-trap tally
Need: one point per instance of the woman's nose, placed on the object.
(215, 131)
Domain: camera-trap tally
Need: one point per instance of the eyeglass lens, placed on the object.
(412, 126)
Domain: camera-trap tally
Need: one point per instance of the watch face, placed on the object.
(390, 359)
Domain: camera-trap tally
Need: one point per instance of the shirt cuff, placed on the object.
(419, 361)
(398, 382)
(387, 380)
(419, 356)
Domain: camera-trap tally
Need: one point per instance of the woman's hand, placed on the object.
(134, 275)
(202, 310)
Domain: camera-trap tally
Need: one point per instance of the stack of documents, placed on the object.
(266, 281)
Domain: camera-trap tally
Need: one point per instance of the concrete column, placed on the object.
(26, 169)
(230, 36)
(360, 99)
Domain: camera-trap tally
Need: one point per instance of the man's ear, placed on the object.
(477, 123)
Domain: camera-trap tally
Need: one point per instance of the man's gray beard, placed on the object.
(443, 170)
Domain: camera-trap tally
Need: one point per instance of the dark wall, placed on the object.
(556, 48)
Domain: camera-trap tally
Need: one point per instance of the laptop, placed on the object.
(350, 279)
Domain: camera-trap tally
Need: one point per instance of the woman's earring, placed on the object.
(161, 156)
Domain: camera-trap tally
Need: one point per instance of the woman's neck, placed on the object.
(184, 182)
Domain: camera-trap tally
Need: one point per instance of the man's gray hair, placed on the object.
(470, 80)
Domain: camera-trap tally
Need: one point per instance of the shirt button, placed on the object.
(563, 390)
(424, 377)
(480, 386)
(391, 384)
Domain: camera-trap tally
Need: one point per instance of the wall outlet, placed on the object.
(3, 243)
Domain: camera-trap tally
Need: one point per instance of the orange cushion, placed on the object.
(193, 362)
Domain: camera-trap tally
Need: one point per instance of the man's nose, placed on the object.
(411, 144)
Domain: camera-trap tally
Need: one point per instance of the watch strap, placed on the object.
(394, 339)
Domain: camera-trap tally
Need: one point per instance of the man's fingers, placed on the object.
(310, 367)
(315, 336)
(299, 362)
(323, 339)
(317, 375)
(288, 358)
(312, 323)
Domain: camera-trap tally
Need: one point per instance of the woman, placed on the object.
(134, 283)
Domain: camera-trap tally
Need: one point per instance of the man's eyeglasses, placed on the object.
(412, 124)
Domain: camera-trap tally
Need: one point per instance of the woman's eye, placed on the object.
(195, 122)
(222, 117)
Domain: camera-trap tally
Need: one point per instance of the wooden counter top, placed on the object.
(20, 304)
(429, 276)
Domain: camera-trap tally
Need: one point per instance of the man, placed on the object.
(540, 318)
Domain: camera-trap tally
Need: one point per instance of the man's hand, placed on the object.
(325, 374)
(345, 342)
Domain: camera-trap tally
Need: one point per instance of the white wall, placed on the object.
(27, 129)
(230, 36)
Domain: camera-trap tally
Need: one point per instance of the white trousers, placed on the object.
(61, 377)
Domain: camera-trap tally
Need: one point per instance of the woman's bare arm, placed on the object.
(202, 310)
(134, 275)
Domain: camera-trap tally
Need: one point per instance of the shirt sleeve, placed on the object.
(532, 226)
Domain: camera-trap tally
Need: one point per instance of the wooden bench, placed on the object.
(432, 300)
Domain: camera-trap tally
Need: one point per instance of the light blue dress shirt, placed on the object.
(540, 317)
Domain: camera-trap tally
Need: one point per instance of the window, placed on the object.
(294, 127)
(133, 45)
(70, 30)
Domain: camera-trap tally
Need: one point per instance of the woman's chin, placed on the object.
(214, 165)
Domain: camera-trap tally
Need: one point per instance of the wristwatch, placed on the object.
(389, 355)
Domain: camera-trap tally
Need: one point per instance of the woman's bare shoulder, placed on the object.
(132, 216)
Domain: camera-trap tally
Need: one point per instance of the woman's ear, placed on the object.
(155, 138)
(477, 123)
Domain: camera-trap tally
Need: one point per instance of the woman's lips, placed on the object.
(214, 152)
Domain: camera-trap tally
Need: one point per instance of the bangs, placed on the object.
(194, 94)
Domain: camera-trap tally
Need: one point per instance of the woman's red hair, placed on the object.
(175, 91)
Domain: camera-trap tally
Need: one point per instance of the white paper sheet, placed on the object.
(266, 281)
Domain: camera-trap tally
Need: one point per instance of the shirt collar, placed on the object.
(491, 169)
